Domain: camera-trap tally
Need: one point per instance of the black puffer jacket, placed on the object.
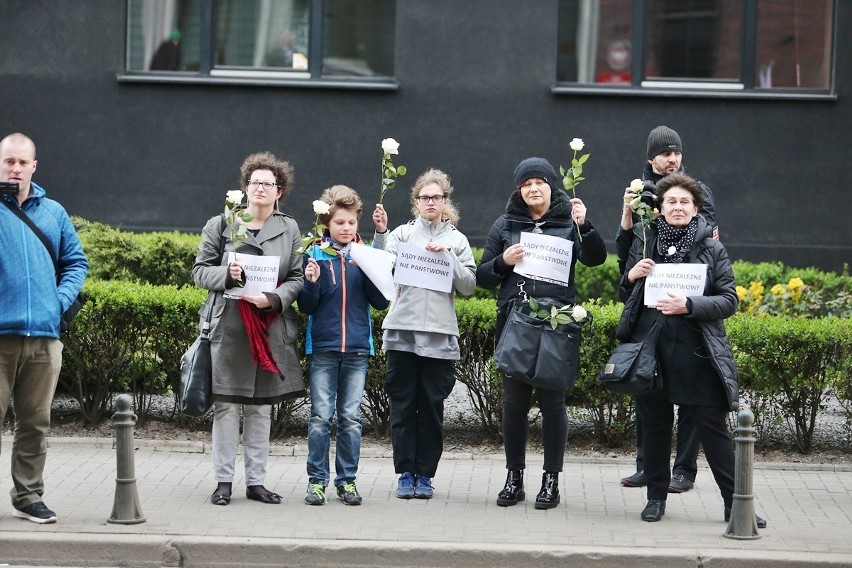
(718, 302)
(506, 231)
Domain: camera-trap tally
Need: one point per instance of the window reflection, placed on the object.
(262, 33)
(163, 35)
(794, 43)
(595, 41)
(358, 37)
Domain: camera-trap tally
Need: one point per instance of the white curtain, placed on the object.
(159, 18)
(588, 23)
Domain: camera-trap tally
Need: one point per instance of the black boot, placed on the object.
(513, 491)
(548, 497)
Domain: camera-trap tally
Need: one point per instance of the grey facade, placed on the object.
(473, 94)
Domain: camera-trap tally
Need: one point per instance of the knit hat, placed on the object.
(663, 139)
(536, 168)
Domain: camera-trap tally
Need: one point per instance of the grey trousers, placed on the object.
(29, 371)
(226, 437)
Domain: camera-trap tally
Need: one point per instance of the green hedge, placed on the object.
(129, 337)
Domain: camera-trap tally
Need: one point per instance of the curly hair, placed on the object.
(340, 197)
(682, 181)
(430, 176)
(283, 171)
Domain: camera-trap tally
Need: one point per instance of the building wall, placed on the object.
(474, 98)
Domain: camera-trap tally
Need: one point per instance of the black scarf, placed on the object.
(681, 239)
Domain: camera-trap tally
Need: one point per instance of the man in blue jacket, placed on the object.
(34, 295)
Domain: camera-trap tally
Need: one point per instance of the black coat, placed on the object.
(506, 231)
(718, 302)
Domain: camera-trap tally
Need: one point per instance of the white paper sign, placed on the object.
(261, 274)
(416, 266)
(377, 265)
(546, 258)
(684, 279)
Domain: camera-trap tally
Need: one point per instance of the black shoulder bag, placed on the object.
(196, 365)
(632, 367)
(77, 304)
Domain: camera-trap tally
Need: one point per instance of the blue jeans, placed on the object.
(337, 383)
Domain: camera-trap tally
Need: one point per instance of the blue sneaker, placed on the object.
(405, 487)
(423, 487)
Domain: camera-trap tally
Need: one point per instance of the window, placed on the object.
(718, 45)
(268, 40)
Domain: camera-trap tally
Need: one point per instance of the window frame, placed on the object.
(207, 74)
(705, 88)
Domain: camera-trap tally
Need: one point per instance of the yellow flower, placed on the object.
(741, 293)
(795, 283)
(778, 289)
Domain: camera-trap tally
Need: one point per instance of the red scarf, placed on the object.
(256, 322)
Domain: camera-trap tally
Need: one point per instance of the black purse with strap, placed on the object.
(77, 304)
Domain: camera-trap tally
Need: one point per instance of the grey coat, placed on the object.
(235, 374)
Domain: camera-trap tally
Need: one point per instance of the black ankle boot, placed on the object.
(548, 497)
(513, 491)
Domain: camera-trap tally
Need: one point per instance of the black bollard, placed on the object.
(743, 524)
(125, 509)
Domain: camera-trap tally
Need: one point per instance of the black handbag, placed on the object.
(77, 304)
(532, 351)
(632, 367)
(196, 365)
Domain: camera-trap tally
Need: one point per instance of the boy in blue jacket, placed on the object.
(337, 297)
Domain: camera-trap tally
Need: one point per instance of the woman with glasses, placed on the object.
(421, 334)
(537, 205)
(253, 339)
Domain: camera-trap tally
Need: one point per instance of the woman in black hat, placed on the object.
(538, 205)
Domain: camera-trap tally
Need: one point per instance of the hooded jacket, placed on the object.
(506, 231)
(338, 305)
(419, 309)
(33, 296)
(718, 302)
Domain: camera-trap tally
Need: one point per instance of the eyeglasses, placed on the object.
(267, 185)
(433, 198)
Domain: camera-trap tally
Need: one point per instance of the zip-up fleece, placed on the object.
(31, 299)
(338, 305)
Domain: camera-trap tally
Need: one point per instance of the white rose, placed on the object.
(234, 197)
(636, 185)
(321, 207)
(390, 146)
(579, 313)
(576, 144)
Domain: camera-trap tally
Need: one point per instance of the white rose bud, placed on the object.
(321, 207)
(636, 186)
(579, 313)
(390, 146)
(234, 197)
(576, 144)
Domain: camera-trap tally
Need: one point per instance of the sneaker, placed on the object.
(680, 484)
(422, 487)
(315, 494)
(36, 512)
(405, 486)
(635, 480)
(348, 493)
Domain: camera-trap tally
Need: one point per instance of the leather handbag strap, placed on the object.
(41, 236)
(205, 329)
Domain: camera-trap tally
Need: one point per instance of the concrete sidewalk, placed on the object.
(808, 508)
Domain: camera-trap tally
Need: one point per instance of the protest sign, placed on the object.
(683, 279)
(416, 266)
(546, 258)
(261, 274)
(377, 265)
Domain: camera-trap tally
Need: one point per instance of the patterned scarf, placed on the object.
(673, 243)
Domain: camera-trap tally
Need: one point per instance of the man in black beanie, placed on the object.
(664, 153)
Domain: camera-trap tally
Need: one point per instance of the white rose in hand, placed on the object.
(579, 313)
(234, 197)
(390, 146)
(321, 207)
(576, 144)
(636, 186)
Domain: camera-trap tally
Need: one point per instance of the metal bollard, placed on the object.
(125, 509)
(743, 524)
